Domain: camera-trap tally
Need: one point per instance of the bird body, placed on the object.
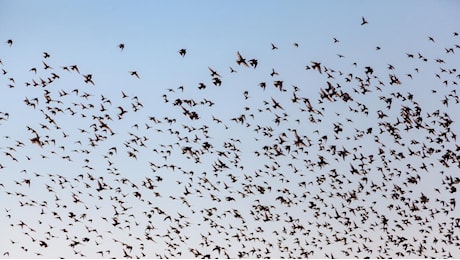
(240, 60)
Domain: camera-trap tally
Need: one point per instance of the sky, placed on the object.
(354, 157)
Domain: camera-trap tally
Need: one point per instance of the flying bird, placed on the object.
(88, 78)
(135, 74)
(214, 73)
(240, 60)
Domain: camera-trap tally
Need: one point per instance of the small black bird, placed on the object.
(134, 73)
(182, 52)
(241, 60)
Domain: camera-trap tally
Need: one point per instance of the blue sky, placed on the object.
(87, 34)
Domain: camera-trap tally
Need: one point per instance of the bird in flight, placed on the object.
(75, 68)
(121, 46)
(363, 21)
(253, 63)
(182, 52)
(213, 72)
(89, 78)
(241, 60)
(134, 73)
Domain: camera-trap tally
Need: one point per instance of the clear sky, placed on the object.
(140, 153)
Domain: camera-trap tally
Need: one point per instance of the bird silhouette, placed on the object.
(240, 60)
(135, 74)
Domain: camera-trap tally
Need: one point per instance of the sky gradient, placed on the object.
(355, 155)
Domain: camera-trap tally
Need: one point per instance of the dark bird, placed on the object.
(135, 74)
(240, 60)
(88, 78)
(317, 66)
(46, 66)
(182, 52)
(363, 20)
(263, 85)
(253, 63)
(214, 73)
(201, 85)
(216, 81)
(276, 104)
(75, 68)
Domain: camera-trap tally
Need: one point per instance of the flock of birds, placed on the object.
(364, 168)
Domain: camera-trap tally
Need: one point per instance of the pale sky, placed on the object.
(140, 153)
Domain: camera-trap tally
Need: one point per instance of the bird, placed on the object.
(135, 74)
(317, 66)
(363, 21)
(75, 68)
(240, 60)
(46, 66)
(263, 85)
(214, 73)
(88, 78)
(121, 46)
(182, 52)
